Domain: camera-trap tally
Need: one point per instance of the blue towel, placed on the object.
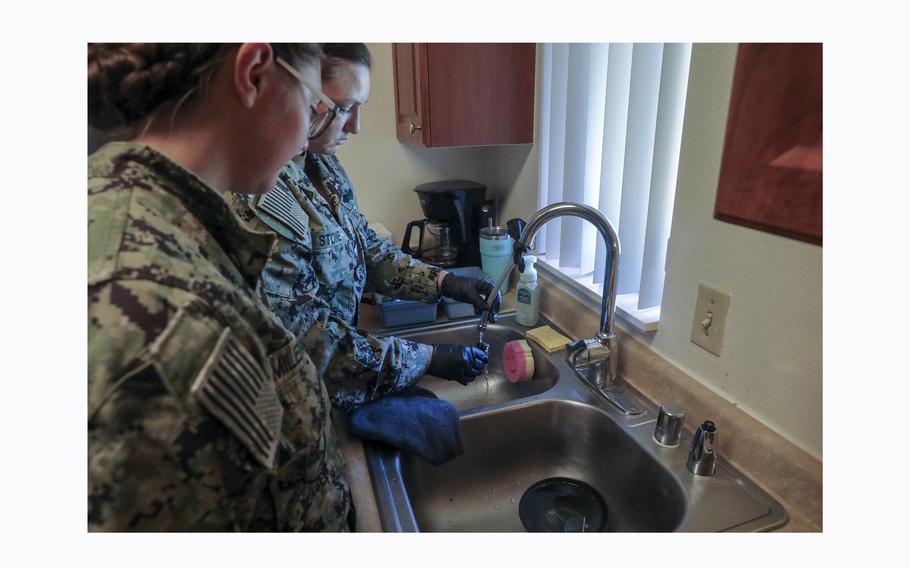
(414, 421)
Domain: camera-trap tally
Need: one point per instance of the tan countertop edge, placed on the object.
(769, 460)
(357, 474)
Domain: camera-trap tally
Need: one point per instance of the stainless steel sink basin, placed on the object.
(492, 387)
(508, 450)
(554, 426)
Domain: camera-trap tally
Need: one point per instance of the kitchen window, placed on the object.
(610, 128)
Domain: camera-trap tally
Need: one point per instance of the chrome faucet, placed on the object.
(595, 360)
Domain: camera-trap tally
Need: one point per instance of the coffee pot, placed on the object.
(435, 243)
(454, 211)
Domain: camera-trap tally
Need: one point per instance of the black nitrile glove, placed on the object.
(457, 362)
(471, 291)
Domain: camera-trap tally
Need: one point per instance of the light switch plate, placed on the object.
(710, 319)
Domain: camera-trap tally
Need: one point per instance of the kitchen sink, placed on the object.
(508, 450)
(517, 437)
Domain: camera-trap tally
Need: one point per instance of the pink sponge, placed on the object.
(518, 360)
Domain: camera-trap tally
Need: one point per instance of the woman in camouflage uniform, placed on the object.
(326, 254)
(204, 412)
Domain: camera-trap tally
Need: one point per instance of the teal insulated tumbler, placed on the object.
(495, 253)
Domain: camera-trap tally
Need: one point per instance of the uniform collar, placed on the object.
(248, 249)
(327, 165)
(309, 169)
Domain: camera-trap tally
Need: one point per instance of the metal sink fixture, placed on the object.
(596, 359)
(554, 426)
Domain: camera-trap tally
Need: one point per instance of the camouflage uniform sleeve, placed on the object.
(395, 274)
(356, 367)
(309, 490)
(359, 367)
(156, 460)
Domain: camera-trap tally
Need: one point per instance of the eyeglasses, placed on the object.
(319, 121)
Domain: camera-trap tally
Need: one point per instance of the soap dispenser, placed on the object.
(527, 308)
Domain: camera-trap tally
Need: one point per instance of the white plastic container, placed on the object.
(527, 310)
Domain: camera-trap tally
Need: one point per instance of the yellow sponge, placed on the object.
(548, 338)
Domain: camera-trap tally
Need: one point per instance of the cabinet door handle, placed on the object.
(414, 127)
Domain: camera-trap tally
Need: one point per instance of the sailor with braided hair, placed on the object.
(204, 413)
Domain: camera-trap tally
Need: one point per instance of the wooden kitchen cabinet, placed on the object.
(771, 171)
(464, 94)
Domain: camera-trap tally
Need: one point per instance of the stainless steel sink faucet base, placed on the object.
(595, 360)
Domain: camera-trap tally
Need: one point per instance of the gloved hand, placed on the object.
(471, 291)
(457, 362)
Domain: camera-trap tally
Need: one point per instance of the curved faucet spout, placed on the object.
(594, 360)
(600, 221)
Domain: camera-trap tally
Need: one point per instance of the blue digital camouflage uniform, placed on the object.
(315, 278)
(204, 412)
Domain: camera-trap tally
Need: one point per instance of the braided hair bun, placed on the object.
(128, 82)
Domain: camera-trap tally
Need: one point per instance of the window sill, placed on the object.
(583, 289)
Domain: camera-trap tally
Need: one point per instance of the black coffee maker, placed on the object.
(449, 235)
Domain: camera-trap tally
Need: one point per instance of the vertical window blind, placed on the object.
(610, 128)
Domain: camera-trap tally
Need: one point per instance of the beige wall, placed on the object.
(771, 364)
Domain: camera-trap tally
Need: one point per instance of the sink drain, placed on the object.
(560, 504)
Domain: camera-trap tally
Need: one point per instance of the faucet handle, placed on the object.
(574, 349)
